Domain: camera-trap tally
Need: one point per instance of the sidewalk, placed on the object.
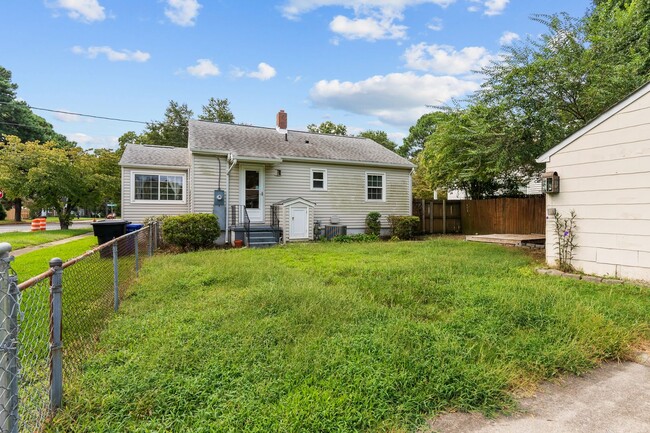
(613, 398)
(26, 250)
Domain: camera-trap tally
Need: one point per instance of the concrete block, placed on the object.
(592, 279)
(543, 271)
(572, 276)
(612, 281)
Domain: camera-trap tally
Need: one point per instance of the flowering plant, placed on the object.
(565, 231)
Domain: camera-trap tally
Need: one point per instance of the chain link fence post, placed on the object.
(136, 241)
(116, 279)
(9, 310)
(150, 239)
(56, 345)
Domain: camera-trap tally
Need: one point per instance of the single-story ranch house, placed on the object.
(260, 178)
(604, 175)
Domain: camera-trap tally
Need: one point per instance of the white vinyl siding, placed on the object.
(346, 191)
(605, 178)
(137, 210)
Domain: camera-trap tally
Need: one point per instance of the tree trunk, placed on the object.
(64, 222)
(18, 208)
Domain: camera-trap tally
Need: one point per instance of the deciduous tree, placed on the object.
(328, 127)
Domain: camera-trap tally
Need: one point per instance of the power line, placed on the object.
(93, 116)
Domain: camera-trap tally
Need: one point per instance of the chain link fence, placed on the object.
(50, 324)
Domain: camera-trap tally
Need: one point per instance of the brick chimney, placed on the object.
(281, 120)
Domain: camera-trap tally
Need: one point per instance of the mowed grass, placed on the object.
(31, 264)
(342, 337)
(20, 240)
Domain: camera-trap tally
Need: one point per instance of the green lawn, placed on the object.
(20, 240)
(342, 337)
(31, 264)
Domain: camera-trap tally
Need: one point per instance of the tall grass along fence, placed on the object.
(49, 324)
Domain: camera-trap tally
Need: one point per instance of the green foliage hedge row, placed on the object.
(404, 227)
(191, 231)
(361, 237)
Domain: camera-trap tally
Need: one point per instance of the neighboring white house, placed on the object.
(344, 178)
(604, 175)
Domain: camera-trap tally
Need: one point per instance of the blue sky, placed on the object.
(369, 64)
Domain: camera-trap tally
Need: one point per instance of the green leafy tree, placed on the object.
(380, 137)
(217, 110)
(418, 133)
(172, 130)
(16, 118)
(328, 127)
(541, 91)
(58, 178)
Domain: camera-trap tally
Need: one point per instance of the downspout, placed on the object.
(233, 159)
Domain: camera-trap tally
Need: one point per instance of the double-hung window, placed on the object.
(158, 187)
(318, 180)
(375, 187)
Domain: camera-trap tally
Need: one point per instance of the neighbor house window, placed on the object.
(319, 180)
(375, 186)
(158, 187)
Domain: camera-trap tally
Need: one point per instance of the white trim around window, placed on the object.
(374, 187)
(320, 179)
(171, 177)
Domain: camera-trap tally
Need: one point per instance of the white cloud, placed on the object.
(495, 7)
(444, 59)
(112, 55)
(182, 12)
(88, 141)
(435, 24)
(373, 19)
(203, 68)
(65, 116)
(292, 9)
(492, 7)
(82, 10)
(397, 99)
(369, 28)
(264, 72)
(508, 38)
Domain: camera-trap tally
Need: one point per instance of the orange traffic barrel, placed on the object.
(43, 223)
(36, 224)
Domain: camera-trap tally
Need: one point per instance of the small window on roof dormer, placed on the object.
(318, 179)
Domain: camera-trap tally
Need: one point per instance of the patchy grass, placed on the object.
(20, 240)
(342, 337)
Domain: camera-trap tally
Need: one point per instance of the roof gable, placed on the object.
(635, 96)
(267, 143)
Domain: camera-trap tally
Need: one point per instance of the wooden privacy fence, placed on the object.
(437, 214)
(492, 216)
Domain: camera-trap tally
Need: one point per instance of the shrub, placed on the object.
(403, 227)
(3, 213)
(192, 231)
(155, 218)
(373, 224)
(361, 237)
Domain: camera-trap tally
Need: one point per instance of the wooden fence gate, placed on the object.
(438, 216)
(524, 215)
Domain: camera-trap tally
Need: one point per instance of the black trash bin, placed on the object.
(108, 230)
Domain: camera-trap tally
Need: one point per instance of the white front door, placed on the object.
(299, 228)
(251, 191)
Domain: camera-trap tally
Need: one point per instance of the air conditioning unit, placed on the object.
(332, 231)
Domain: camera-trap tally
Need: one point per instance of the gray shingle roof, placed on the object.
(147, 154)
(258, 142)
